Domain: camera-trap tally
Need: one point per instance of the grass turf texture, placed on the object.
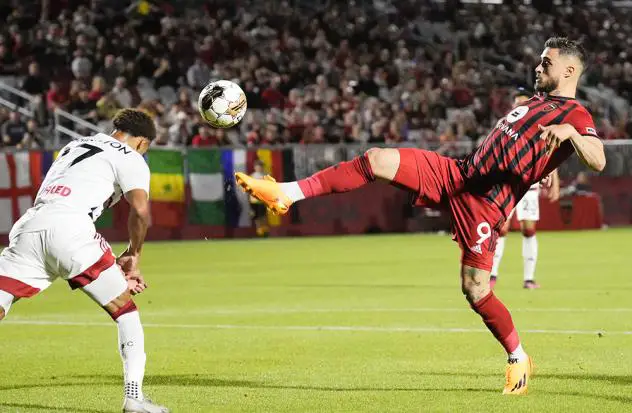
(232, 327)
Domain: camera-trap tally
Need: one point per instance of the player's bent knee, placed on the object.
(528, 232)
(122, 304)
(384, 162)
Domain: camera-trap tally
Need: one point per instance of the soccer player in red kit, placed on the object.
(479, 191)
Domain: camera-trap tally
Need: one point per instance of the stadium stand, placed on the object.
(420, 72)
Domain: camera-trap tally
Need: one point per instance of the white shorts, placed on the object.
(46, 244)
(528, 208)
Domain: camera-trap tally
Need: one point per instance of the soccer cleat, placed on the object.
(266, 190)
(517, 376)
(492, 281)
(531, 285)
(131, 405)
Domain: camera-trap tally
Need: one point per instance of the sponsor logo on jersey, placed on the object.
(549, 107)
(507, 130)
(57, 190)
(517, 114)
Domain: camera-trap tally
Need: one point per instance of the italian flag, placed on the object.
(215, 199)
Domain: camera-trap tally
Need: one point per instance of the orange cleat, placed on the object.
(517, 377)
(266, 190)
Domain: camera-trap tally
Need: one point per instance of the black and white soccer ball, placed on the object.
(222, 104)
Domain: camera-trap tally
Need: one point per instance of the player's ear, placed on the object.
(144, 145)
(570, 71)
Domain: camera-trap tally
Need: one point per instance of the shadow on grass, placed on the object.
(201, 380)
(52, 408)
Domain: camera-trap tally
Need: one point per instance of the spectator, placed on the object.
(110, 70)
(13, 130)
(8, 64)
(272, 96)
(98, 89)
(165, 75)
(55, 97)
(198, 75)
(83, 107)
(107, 107)
(180, 131)
(34, 83)
(32, 139)
(120, 93)
(203, 138)
(81, 65)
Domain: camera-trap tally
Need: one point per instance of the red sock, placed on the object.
(498, 320)
(342, 177)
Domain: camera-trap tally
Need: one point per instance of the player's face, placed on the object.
(549, 71)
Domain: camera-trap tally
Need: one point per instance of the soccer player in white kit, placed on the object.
(56, 238)
(527, 212)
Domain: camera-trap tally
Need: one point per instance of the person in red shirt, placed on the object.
(204, 138)
(272, 95)
(524, 147)
(98, 89)
(55, 97)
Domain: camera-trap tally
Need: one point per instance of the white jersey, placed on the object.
(91, 174)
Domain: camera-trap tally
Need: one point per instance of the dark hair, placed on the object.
(567, 47)
(135, 122)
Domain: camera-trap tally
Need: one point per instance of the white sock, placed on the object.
(518, 354)
(530, 256)
(132, 349)
(292, 190)
(498, 255)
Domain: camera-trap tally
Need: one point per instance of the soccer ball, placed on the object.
(222, 104)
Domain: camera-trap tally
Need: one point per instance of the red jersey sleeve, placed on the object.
(582, 122)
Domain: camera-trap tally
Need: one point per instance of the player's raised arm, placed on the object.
(589, 148)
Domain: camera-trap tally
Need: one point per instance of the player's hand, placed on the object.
(135, 282)
(555, 135)
(553, 193)
(546, 182)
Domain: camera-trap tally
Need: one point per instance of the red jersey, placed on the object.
(513, 157)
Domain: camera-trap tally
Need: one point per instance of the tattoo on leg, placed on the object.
(475, 283)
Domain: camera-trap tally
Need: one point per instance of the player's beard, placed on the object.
(546, 86)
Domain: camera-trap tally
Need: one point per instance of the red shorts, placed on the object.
(438, 182)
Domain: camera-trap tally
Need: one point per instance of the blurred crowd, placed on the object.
(364, 71)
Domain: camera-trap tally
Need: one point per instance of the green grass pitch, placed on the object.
(348, 324)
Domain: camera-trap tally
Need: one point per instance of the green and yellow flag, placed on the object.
(166, 188)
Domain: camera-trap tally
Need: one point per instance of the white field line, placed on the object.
(311, 328)
(386, 310)
(368, 310)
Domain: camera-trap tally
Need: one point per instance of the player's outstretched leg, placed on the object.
(498, 253)
(529, 253)
(475, 286)
(383, 163)
(110, 290)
